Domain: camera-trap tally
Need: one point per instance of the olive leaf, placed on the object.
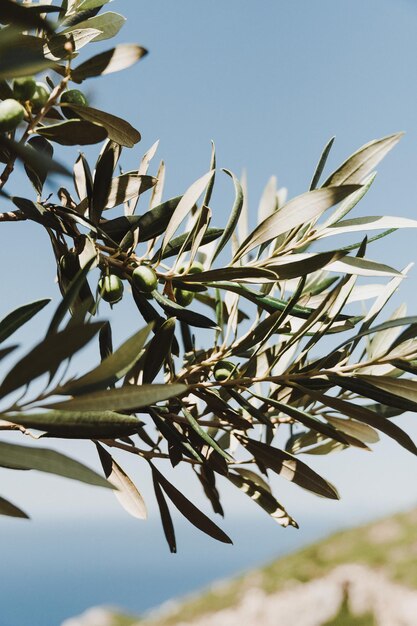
(108, 24)
(117, 129)
(299, 210)
(256, 488)
(121, 398)
(184, 206)
(29, 457)
(78, 424)
(111, 369)
(291, 468)
(10, 509)
(114, 60)
(189, 510)
(363, 161)
(73, 132)
(47, 355)
(127, 493)
(14, 320)
(321, 164)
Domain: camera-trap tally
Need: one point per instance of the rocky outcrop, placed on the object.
(309, 604)
(318, 601)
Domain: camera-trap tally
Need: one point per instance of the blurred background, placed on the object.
(270, 82)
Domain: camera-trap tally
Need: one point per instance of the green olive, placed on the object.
(196, 268)
(111, 288)
(24, 88)
(11, 114)
(40, 97)
(69, 264)
(72, 96)
(144, 278)
(223, 370)
(183, 297)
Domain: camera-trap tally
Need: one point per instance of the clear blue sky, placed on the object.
(270, 82)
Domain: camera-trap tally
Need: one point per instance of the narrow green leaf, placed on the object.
(47, 355)
(177, 243)
(310, 421)
(210, 186)
(117, 129)
(291, 468)
(105, 166)
(372, 222)
(70, 296)
(362, 267)
(111, 369)
(5, 351)
(56, 48)
(166, 519)
(310, 263)
(205, 436)
(298, 211)
(364, 389)
(261, 496)
(14, 320)
(83, 180)
(402, 387)
(363, 432)
(365, 415)
(121, 398)
(363, 161)
(78, 424)
(126, 187)
(73, 132)
(268, 303)
(234, 215)
(184, 314)
(401, 321)
(158, 350)
(32, 158)
(127, 493)
(184, 206)
(114, 60)
(108, 24)
(248, 273)
(50, 461)
(189, 510)
(155, 221)
(175, 438)
(321, 164)
(349, 203)
(44, 149)
(10, 509)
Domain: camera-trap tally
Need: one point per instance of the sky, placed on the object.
(270, 82)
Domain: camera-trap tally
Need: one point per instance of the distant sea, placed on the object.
(52, 571)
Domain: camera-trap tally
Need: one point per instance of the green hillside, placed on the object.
(389, 544)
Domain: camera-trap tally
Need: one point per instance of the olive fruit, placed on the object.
(111, 288)
(144, 278)
(183, 297)
(24, 88)
(11, 114)
(40, 97)
(223, 370)
(194, 269)
(69, 263)
(73, 96)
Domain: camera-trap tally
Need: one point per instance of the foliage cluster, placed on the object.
(214, 399)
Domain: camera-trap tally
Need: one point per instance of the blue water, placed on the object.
(52, 571)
